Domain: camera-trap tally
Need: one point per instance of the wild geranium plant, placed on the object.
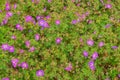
(59, 40)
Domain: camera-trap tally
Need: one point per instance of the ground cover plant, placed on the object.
(59, 40)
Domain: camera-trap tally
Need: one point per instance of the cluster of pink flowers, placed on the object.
(19, 27)
(43, 23)
(29, 18)
(31, 48)
(15, 63)
(8, 14)
(7, 47)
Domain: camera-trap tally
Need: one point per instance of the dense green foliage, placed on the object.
(52, 57)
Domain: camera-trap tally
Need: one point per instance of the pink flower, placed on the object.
(94, 55)
(24, 65)
(90, 42)
(43, 23)
(64, 7)
(5, 47)
(81, 40)
(9, 14)
(101, 44)
(21, 51)
(102, 2)
(6, 78)
(14, 62)
(4, 21)
(69, 67)
(15, 6)
(0, 11)
(107, 25)
(83, 16)
(74, 21)
(36, 1)
(37, 37)
(7, 6)
(48, 17)
(85, 53)
(29, 18)
(114, 47)
(89, 21)
(57, 22)
(107, 79)
(27, 43)
(19, 27)
(44, 9)
(91, 65)
(32, 49)
(49, 1)
(58, 40)
(13, 37)
(40, 73)
(11, 49)
(38, 17)
(108, 6)
(73, 0)
(87, 13)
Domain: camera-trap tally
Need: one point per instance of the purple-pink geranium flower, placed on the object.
(74, 21)
(6, 78)
(81, 40)
(90, 42)
(15, 6)
(58, 40)
(0, 11)
(94, 55)
(108, 6)
(21, 51)
(91, 65)
(11, 49)
(27, 43)
(48, 17)
(14, 62)
(4, 21)
(101, 44)
(107, 79)
(37, 37)
(44, 9)
(7, 6)
(85, 53)
(13, 37)
(102, 1)
(5, 47)
(49, 1)
(107, 25)
(32, 49)
(89, 21)
(36, 1)
(19, 27)
(28, 18)
(114, 47)
(24, 65)
(9, 14)
(40, 73)
(43, 23)
(39, 17)
(57, 22)
(69, 67)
